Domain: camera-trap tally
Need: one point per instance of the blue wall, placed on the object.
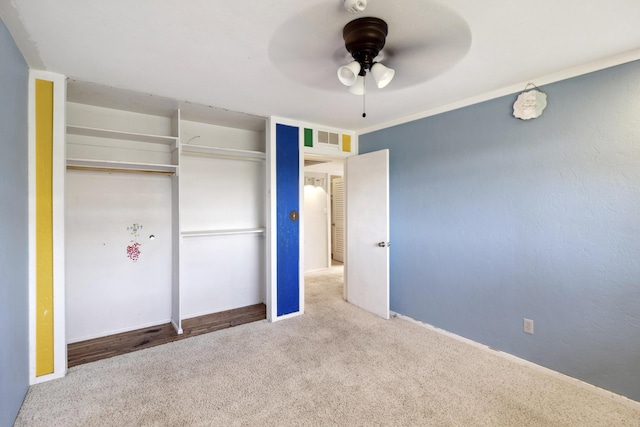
(494, 219)
(288, 200)
(14, 331)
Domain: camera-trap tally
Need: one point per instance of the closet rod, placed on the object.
(224, 156)
(89, 168)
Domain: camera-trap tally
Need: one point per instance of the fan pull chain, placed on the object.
(364, 92)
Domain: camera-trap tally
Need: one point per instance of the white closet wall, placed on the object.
(221, 272)
(108, 292)
(219, 193)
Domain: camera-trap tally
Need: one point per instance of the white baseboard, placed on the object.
(288, 316)
(44, 378)
(555, 374)
(175, 326)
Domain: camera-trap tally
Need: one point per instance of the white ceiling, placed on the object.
(279, 57)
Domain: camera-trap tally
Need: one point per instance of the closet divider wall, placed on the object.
(165, 212)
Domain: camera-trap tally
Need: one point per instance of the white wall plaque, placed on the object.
(529, 104)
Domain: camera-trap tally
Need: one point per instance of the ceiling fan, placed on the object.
(364, 39)
(415, 39)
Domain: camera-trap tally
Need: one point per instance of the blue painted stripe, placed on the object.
(287, 199)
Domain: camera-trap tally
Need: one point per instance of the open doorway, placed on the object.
(323, 217)
(364, 279)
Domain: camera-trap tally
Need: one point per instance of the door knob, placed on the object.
(382, 244)
(293, 215)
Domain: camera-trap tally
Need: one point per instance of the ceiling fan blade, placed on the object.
(304, 51)
(417, 61)
(425, 39)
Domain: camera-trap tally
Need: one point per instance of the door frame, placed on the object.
(271, 234)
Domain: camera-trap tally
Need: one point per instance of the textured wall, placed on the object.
(14, 332)
(494, 219)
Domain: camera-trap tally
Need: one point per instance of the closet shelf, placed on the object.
(227, 232)
(117, 134)
(114, 165)
(223, 152)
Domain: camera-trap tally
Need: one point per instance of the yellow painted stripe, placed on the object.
(346, 143)
(44, 227)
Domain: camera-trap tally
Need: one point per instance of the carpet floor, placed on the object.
(335, 366)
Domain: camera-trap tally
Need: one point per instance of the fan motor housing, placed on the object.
(364, 38)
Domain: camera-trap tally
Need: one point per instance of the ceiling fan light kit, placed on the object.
(381, 74)
(347, 74)
(364, 38)
(358, 87)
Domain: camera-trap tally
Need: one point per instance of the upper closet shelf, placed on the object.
(110, 165)
(223, 152)
(117, 134)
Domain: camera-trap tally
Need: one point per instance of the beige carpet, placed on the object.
(336, 366)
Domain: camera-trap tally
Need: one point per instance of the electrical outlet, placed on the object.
(528, 326)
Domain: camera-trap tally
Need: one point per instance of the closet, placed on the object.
(222, 217)
(164, 210)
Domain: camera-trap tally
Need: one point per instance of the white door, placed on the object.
(337, 219)
(367, 231)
